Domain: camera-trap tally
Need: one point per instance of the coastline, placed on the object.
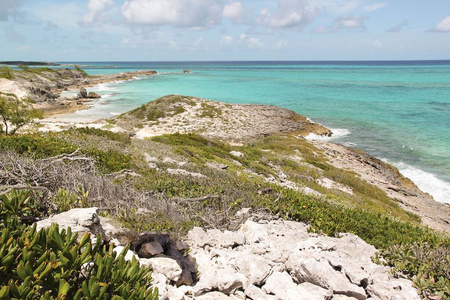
(380, 174)
(66, 116)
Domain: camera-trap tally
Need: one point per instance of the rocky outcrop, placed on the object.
(212, 119)
(388, 178)
(268, 260)
(45, 85)
(83, 93)
(93, 95)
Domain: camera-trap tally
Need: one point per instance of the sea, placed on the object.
(398, 111)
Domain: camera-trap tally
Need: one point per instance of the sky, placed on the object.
(203, 30)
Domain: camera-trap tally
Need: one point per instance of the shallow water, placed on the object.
(396, 111)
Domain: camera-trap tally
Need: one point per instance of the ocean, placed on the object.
(398, 111)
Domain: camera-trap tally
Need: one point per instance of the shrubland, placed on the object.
(128, 180)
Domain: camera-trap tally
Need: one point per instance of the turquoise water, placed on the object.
(396, 111)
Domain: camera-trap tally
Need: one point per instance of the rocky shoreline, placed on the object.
(229, 122)
(44, 87)
(434, 214)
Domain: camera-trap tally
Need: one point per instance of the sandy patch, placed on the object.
(12, 87)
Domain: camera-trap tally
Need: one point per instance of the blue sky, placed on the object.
(152, 30)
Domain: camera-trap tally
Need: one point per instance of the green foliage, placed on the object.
(210, 111)
(55, 264)
(65, 200)
(37, 70)
(14, 115)
(6, 72)
(426, 263)
(52, 144)
(23, 67)
(81, 70)
(17, 209)
(162, 107)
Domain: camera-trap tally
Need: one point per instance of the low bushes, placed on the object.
(53, 264)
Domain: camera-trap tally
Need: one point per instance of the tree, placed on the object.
(14, 115)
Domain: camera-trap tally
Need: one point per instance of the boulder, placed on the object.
(174, 293)
(83, 93)
(384, 287)
(80, 220)
(164, 265)
(278, 283)
(224, 280)
(93, 95)
(128, 256)
(237, 153)
(319, 272)
(213, 296)
(197, 237)
(254, 267)
(150, 249)
(255, 293)
(217, 166)
(253, 232)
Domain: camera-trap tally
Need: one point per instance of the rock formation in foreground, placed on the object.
(262, 260)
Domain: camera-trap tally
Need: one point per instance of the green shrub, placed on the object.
(51, 144)
(53, 264)
(6, 72)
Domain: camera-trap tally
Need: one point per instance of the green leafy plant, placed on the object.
(6, 72)
(14, 115)
(56, 264)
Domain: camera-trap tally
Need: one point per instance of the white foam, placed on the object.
(104, 87)
(427, 182)
(337, 133)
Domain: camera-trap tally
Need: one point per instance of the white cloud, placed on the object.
(226, 40)
(95, 9)
(233, 11)
(250, 42)
(443, 25)
(321, 30)
(377, 44)
(8, 7)
(289, 14)
(351, 22)
(196, 14)
(375, 6)
(336, 6)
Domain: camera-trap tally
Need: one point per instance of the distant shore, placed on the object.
(28, 63)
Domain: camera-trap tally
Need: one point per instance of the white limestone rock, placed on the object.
(164, 265)
(128, 256)
(80, 220)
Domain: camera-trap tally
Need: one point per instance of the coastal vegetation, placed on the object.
(6, 72)
(114, 174)
(55, 264)
(15, 114)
